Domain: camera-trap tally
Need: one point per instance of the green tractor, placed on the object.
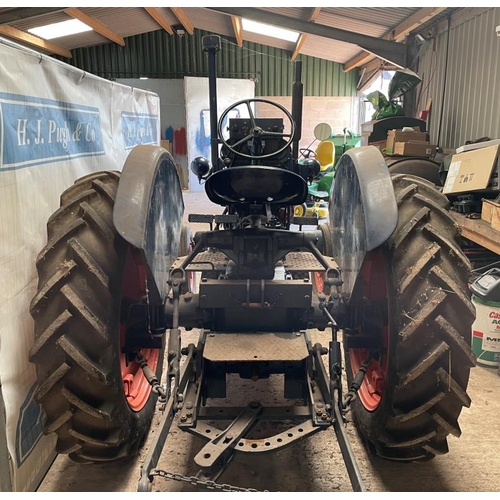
(327, 154)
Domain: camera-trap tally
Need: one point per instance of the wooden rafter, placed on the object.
(298, 45)
(238, 30)
(376, 64)
(160, 19)
(397, 34)
(414, 21)
(34, 41)
(183, 19)
(302, 37)
(357, 60)
(314, 14)
(96, 25)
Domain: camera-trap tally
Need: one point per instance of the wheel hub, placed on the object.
(136, 387)
(375, 290)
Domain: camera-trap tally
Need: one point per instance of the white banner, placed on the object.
(57, 123)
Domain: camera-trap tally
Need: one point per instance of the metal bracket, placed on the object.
(223, 444)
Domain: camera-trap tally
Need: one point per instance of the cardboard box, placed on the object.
(495, 220)
(180, 173)
(394, 136)
(167, 145)
(414, 148)
(473, 171)
(380, 145)
(490, 207)
(477, 145)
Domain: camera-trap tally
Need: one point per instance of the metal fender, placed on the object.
(363, 211)
(148, 211)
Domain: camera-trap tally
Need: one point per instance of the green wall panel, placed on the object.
(160, 55)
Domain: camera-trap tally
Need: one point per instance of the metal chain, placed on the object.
(356, 384)
(210, 485)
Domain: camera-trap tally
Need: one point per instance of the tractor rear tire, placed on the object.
(413, 393)
(77, 349)
(420, 167)
(186, 243)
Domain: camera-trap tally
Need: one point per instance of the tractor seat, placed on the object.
(256, 184)
(325, 154)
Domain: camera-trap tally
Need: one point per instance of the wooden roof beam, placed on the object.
(34, 41)
(314, 14)
(155, 13)
(298, 45)
(374, 64)
(397, 34)
(357, 60)
(183, 19)
(414, 21)
(238, 30)
(96, 25)
(302, 37)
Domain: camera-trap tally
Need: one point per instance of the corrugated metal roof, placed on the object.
(123, 21)
(129, 21)
(334, 20)
(301, 13)
(126, 21)
(332, 49)
(387, 17)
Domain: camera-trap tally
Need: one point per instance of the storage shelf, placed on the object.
(478, 231)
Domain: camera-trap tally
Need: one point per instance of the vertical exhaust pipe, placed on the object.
(297, 98)
(211, 44)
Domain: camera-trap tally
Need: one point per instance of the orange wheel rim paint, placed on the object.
(375, 288)
(135, 385)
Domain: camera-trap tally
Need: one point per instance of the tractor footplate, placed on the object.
(305, 261)
(205, 261)
(293, 262)
(239, 347)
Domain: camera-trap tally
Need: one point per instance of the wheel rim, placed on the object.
(136, 388)
(375, 289)
(298, 211)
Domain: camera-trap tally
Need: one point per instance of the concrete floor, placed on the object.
(314, 464)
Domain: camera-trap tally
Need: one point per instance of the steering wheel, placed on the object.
(255, 131)
(307, 153)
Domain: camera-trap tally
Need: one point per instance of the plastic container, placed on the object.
(486, 328)
(486, 333)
